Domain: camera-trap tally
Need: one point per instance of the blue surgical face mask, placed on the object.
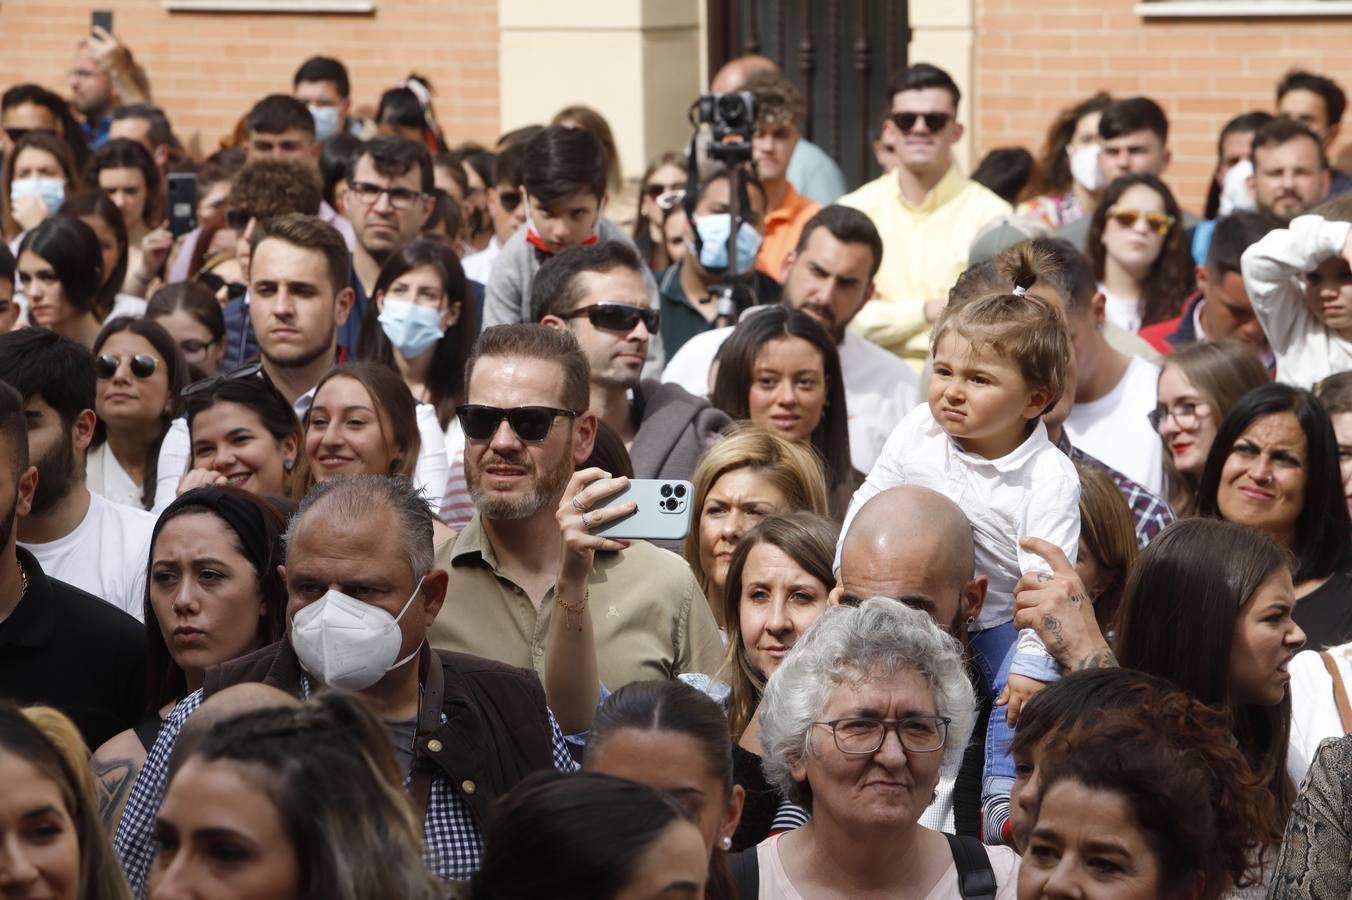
(713, 232)
(411, 328)
(52, 191)
(326, 121)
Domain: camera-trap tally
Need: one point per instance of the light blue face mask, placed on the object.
(326, 121)
(411, 328)
(52, 191)
(713, 234)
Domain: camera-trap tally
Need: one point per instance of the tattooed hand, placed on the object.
(1057, 606)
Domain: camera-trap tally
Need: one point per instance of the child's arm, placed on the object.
(1272, 269)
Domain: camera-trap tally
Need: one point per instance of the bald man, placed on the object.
(812, 172)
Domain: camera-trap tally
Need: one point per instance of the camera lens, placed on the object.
(731, 109)
(670, 504)
(666, 490)
(680, 490)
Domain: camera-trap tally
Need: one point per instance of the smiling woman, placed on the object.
(362, 419)
(244, 434)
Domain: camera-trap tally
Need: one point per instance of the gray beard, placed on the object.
(548, 489)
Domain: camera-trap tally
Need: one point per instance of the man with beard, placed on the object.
(1290, 171)
(829, 276)
(74, 534)
(527, 426)
(59, 646)
(389, 197)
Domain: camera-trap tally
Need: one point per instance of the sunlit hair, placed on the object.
(810, 541)
(791, 468)
(878, 639)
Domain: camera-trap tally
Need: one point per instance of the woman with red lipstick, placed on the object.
(1197, 386)
(213, 593)
(1274, 466)
(1209, 607)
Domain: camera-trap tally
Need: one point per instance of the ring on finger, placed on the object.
(577, 505)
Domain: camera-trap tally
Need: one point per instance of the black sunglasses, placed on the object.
(530, 423)
(248, 370)
(509, 200)
(143, 366)
(619, 316)
(934, 121)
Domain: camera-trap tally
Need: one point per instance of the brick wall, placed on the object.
(1034, 58)
(207, 69)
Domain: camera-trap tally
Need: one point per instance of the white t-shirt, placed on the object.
(775, 884)
(1115, 430)
(1314, 712)
(879, 387)
(105, 476)
(106, 555)
(1125, 314)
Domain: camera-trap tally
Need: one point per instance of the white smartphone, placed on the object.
(663, 512)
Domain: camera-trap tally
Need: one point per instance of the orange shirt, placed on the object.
(783, 224)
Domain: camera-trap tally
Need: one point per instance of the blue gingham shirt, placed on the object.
(451, 838)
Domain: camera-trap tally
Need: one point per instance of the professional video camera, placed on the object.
(729, 114)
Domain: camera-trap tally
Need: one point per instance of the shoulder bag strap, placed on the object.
(1339, 691)
(744, 866)
(976, 878)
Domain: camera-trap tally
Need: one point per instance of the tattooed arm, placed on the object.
(116, 765)
(1060, 609)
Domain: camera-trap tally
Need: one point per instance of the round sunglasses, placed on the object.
(142, 366)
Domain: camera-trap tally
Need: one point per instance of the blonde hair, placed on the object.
(792, 468)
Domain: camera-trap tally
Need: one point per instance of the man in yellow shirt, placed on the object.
(780, 112)
(926, 210)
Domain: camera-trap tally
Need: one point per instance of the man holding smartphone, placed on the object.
(104, 77)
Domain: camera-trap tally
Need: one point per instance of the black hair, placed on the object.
(1244, 123)
(154, 334)
(1322, 528)
(446, 376)
(71, 248)
(1081, 696)
(847, 225)
(555, 290)
(1233, 235)
(8, 265)
(608, 453)
(1281, 130)
(393, 157)
(94, 202)
(13, 431)
(480, 159)
(193, 298)
(324, 68)
(71, 132)
(123, 153)
(335, 156)
(1134, 114)
(1335, 101)
(920, 77)
(258, 394)
(509, 166)
(160, 133)
(563, 161)
(401, 106)
(278, 113)
(584, 835)
(37, 362)
(1006, 171)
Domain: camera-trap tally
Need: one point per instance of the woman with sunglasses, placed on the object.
(1139, 252)
(422, 324)
(140, 373)
(189, 312)
(60, 272)
(664, 175)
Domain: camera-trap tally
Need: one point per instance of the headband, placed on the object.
(245, 519)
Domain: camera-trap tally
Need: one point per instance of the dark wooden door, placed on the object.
(840, 54)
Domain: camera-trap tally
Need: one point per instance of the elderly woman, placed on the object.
(856, 725)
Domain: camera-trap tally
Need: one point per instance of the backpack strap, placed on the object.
(976, 878)
(1339, 691)
(744, 866)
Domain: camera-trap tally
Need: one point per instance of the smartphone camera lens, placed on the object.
(666, 490)
(670, 504)
(680, 490)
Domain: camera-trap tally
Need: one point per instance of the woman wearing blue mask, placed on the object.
(38, 175)
(422, 322)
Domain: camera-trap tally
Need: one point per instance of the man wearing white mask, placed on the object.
(362, 591)
(321, 83)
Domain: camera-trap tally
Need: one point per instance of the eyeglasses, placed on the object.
(862, 736)
(368, 193)
(192, 348)
(656, 189)
(238, 219)
(619, 316)
(248, 370)
(509, 200)
(1185, 413)
(142, 366)
(529, 423)
(934, 121)
(1158, 222)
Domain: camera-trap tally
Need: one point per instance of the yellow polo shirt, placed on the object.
(925, 249)
(783, 225)
(649, 616)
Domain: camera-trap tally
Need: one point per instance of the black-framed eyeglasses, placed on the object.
(529, 423)
(619, 316)
(509, 200)
(860, 736)
(1184, 412)
(369, 194)
(248, 370)
(142, 366)
(934, 121)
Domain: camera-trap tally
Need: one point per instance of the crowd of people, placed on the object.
(1017, 558)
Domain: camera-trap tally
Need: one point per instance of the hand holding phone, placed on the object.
(101, 18)
(182, 195)
(661, 512)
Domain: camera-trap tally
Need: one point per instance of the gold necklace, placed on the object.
(23, 579)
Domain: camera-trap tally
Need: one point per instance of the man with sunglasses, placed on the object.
(506, 209)
(389, 197)
(597, 293)
(527, 426)
(927, 211)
